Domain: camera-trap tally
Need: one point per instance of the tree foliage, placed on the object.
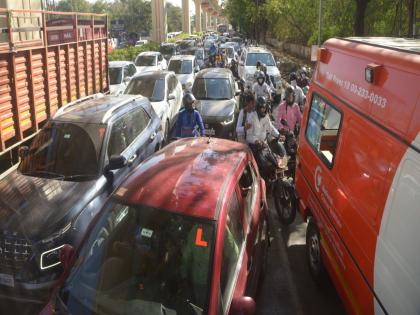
(174, 17)
(297, 20)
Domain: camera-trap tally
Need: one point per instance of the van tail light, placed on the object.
(323, 55)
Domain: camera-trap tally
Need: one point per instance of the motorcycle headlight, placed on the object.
(228, 120)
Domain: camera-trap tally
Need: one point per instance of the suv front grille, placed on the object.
(14, 252)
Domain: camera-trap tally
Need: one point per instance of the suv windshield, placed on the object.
(146, 61)
(180, 66)
(266, 58)
(56, 151)
(212, 89)
(115, 75)
(153, 89)
(141, 260)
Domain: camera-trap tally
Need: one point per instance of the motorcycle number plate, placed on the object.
(7, 280)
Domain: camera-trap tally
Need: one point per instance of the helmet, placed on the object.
(289, 91)
(258, 64)
(292, 76)
(260, 77)
(261, 103)
(304, 71)
(188, 99)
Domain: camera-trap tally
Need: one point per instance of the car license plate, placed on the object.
(210, 132)
(7, 280)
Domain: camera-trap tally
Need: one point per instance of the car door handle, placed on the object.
(131, 159)
(153, 136)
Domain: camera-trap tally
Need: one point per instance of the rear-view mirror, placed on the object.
(66, 255)
(171, 97)
(243, 305)
(116, 162)
(23, 151)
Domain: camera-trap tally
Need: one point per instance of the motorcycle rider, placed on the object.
(299, 95)
(189, 122)
(212, 54)
(288, 111)
(261, 88)
(263, 68)
(260, 125)
(234, 69)
(303, 80)
(257, 69)
(243, 125)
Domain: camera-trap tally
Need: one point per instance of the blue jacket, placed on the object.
(188, 122)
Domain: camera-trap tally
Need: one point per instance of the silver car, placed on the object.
(120, 73)
(164, 91)
(185, 68)
(216, 94)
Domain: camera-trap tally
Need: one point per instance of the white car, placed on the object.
(120, 73)
(185, 68)
(248, 61)
(150, 61)
(230, 53)
(164, 91)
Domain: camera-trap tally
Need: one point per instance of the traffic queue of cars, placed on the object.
(82, 219)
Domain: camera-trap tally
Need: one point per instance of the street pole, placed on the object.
(320, 23)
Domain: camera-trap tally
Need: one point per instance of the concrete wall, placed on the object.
(300, 51)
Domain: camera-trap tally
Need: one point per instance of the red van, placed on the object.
(358, 174)
(185, 233)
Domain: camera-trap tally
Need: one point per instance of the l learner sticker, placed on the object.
(7, 280)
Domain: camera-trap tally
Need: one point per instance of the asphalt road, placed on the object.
(288, 287)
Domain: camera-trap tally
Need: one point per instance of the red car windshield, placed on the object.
(141, 260)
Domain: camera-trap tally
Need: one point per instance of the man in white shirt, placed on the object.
(260, 125)
(243, 125)
(261, 88)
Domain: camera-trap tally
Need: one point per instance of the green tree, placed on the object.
(73, 6)
(174, 17)
(136, 14)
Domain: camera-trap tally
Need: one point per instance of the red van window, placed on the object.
(323, 128)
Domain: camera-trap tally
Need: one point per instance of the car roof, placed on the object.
(119, 64)
(149, 53)
(257, 50)
(183, 57)
(96, 110)
(155, 74)
(188, 176)
(214, 73)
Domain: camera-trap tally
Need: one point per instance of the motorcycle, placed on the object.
(273, 162)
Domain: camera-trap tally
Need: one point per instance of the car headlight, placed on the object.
(51, 257)
(229, 120)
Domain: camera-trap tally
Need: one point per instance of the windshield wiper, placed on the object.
(41, 172)
(78, 176)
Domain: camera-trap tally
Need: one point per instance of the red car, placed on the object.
(186, 233)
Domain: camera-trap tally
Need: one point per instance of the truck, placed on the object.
(47, 59)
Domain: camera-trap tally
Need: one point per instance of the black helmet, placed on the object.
(292, 77)
(289, 91)
(188, 99)
(259, 63)
(261, 103)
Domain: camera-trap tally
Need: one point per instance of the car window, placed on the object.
(249, 186)
(126, 72)
(172, 83)
(153, 89)
(115, 75)
(145, 61)
(126, 129)
(212, 89)
(232, 244)
(323, 128)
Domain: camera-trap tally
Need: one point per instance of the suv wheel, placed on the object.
(313, 252)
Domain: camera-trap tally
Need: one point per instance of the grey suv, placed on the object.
(63, 179)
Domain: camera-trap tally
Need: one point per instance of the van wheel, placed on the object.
(313, 252)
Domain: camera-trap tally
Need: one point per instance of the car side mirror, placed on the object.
(66, 256)
(127, 79)
(171, 97)
(116, 162)
(23, 151)
(237, 92)
(243, 305)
